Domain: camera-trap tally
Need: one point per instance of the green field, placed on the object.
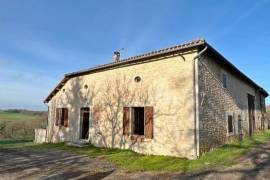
(18, 125)
(9, 116)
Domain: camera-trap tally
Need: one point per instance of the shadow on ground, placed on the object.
(50, 164)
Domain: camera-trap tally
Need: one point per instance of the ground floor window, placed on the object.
(230, 124)
(138, 121)
(61, 117)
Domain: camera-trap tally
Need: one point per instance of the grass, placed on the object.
(132, 161)
(20, 125)
(10, 116)
(15, 143)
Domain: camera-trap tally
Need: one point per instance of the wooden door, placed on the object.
(251, 115)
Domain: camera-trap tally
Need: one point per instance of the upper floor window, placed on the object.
(262, 104)
(224, 80)
(137, 79)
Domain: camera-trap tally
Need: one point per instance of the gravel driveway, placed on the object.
(50, 164)
(57, 164)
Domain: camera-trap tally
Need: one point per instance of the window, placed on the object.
(262, 104)
(224, 80)
(61, 117)
(230, 124)
(138, 121)
(85, 114)
(137, 79)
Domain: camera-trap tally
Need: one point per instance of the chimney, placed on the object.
(116, 56)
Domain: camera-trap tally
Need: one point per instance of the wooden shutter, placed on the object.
(126, 120)
(65, 116)
(57, 117)
(61, 117)
(149, 117)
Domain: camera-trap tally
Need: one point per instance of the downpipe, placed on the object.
(196, 98)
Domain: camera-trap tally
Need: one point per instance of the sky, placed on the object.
(40, 41)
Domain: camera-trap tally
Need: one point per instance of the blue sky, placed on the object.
(42, 40)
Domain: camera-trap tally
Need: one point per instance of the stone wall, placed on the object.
(217, 102)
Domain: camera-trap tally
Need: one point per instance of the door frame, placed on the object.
(81, 121)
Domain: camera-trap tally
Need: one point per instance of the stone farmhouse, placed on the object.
(178, 101)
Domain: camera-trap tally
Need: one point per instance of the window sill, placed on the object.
(230, 134)
(61, 126)
(137, 138)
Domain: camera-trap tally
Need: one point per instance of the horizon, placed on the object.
(42, 41)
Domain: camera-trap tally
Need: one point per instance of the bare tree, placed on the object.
(107, 100)
(118, 92)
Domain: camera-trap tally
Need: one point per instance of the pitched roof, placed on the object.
(143, 57)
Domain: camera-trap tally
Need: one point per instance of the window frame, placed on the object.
(132, 120)
(224, 80)
(148, 128)
(90, 119)
(61, 119)
(233, 124)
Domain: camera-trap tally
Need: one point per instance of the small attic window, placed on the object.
(64, 90)
(137, 79)
(85, 86)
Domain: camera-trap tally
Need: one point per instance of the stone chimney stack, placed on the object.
(116, 56)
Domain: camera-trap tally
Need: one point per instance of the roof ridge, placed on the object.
(188, 43)
(147, 54)
(183, 46)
